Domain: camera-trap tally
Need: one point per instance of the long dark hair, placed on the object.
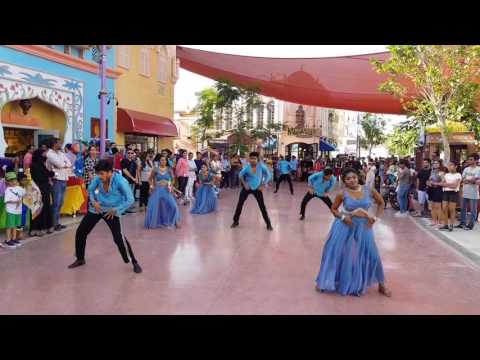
(38, 157)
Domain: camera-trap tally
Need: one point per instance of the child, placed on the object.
(13, 204)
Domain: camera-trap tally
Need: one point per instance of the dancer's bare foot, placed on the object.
(384, 291)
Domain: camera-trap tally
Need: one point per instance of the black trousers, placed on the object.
(87, 225)
(182, 184)
(261, 204)
(44, 220)
(309, 197)
(225, 179)
(144, 193)
(284, 177)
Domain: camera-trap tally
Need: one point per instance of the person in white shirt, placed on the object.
(192, 176)
(451, 187)
(370, 180)
(13, 205)
(470, 176)
(58, 162)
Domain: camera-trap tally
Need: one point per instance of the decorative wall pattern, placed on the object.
(17, 83)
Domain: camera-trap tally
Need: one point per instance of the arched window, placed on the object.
(162, 75)
(300, 117)
(249, 116)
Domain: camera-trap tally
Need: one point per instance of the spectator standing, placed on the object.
(41, 176)
(27, 159)
(226, 169)
(58, 162)
(470, 177)
(129, 172)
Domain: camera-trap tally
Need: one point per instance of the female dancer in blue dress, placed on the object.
(206, 199)
(162, 210)
(350, 261)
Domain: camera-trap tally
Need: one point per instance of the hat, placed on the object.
(10, 176)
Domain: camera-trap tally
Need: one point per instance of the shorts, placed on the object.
(450, 196)
(422, 197)
(435, 195)
(13, 221)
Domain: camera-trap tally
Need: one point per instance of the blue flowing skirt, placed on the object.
(205, 200)
(350, 260)
(162, 210)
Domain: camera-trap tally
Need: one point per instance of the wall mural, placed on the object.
(17, 83)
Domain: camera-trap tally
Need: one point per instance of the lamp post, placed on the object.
(103, 93)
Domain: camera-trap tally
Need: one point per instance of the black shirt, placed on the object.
(131, 166)
(423, 176)
(199, 164)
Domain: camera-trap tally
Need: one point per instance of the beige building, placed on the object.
(145, 93)
(184, 120)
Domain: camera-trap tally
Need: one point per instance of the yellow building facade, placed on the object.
(145, 95)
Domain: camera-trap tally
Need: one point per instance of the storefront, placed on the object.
(46, 93)
(462, 144)
(145, 131)
(300, 142)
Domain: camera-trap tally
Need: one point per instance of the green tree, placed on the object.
(434, 83)
(373, 128)
(403, 140)
(207, 100)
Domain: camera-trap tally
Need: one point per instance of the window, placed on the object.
(228, 118)
(249, 116)
(271, 112)
(218, 120)
(300, 117)
(144, 61)
(260, 111)
(175, 69)
(162, 74)
(67, 49)
(124, 56)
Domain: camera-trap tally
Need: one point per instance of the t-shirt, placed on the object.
(423, 176)
(131, 166)
(404, 177)
(14, 193)
(470, 191)
(451, 178)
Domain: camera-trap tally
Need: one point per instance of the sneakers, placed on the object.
(9, 244)
(17, 242)
(460, 226)
(59, 227)
(444, 227)
(468, 227)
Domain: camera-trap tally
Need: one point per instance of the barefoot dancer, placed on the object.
(253, 178)
(110, 196)
(350, 261)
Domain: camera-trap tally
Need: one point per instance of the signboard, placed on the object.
(455, 138)
(304, 132)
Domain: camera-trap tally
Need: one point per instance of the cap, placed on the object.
(10, 176)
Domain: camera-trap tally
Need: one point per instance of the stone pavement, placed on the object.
(466, 242)
(207, 268)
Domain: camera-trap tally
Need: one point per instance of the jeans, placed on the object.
(87, 225)
(261, 204)
(225, 179)
(308, 197)
(58, 188)
(284, 177)
(473, 211)
(402, 197)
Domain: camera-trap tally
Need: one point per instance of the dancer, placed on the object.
(162, 210)
(206, 199)
(285, 169)
(319, 184)
(253, 178)
(350, 260)
(109, 198)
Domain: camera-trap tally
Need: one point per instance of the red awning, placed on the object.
(346, 82)
(136, 122)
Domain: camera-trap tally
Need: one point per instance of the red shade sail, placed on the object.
(346, 82)
(136, 122)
